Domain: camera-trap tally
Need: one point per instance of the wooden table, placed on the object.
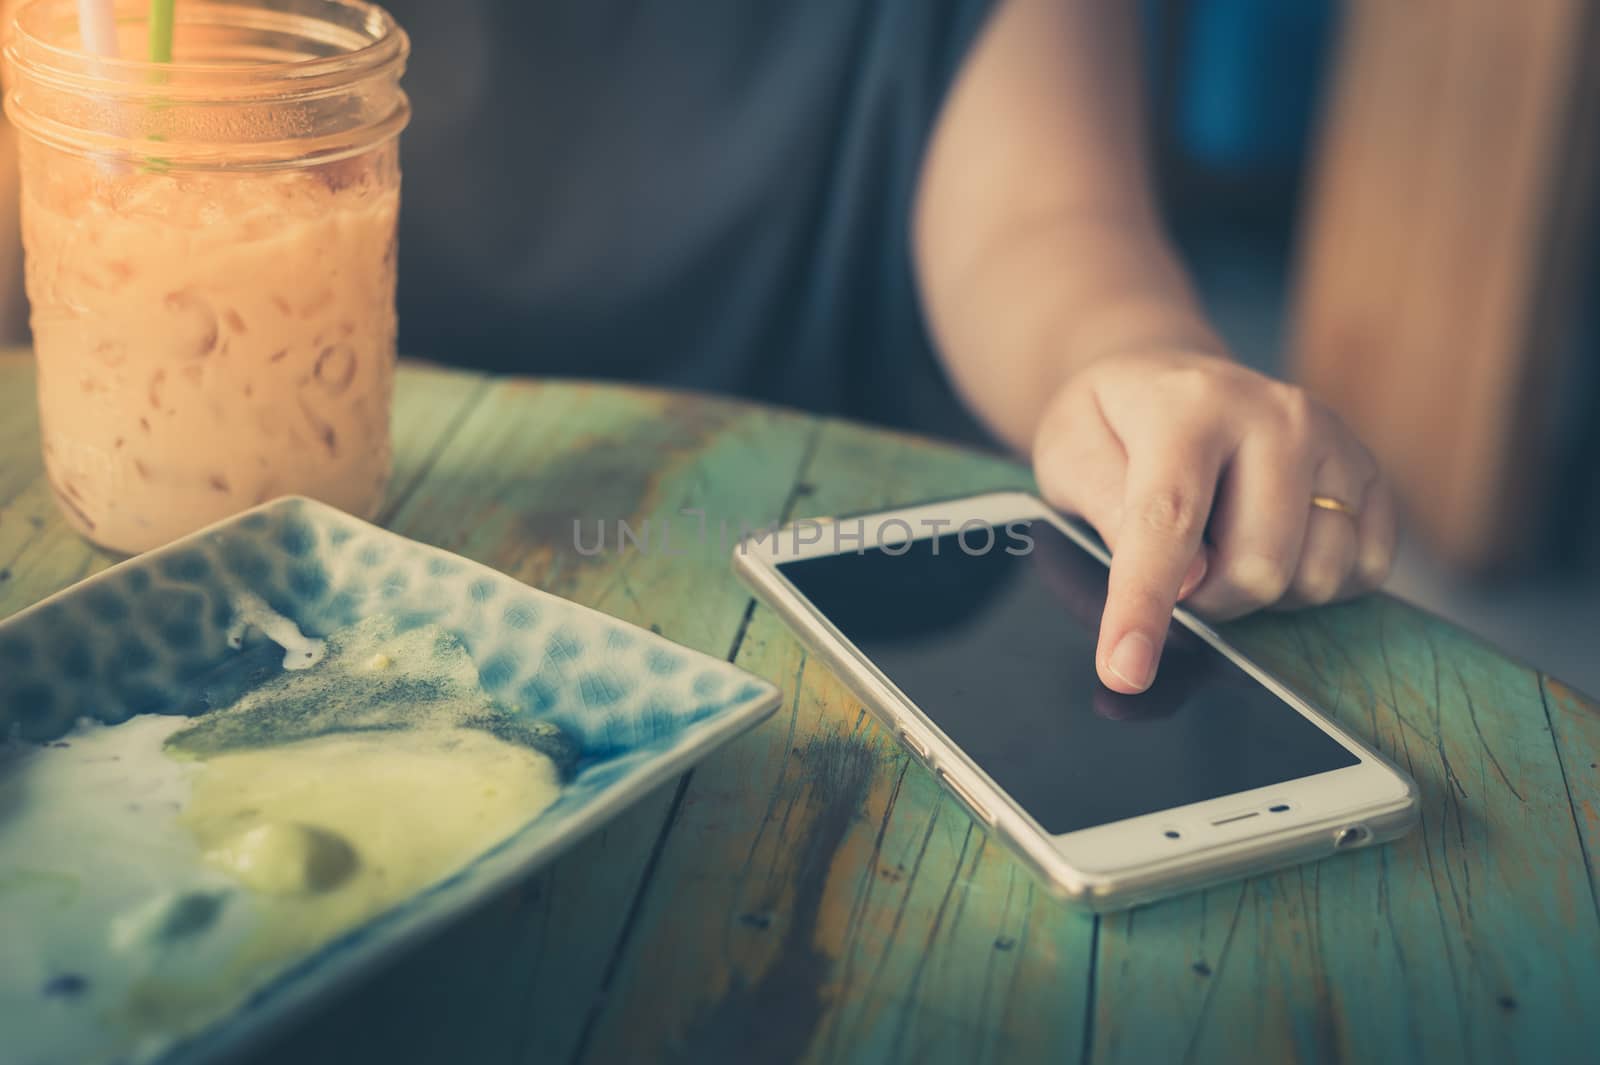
(807, 894)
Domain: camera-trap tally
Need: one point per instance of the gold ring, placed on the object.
(1337, 505)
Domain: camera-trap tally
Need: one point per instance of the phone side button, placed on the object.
(974, 807)
(916, 746)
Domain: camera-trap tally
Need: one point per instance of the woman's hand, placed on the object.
(1199, 475)
(1067, 324)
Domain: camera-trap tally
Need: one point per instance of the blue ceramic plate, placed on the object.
(151, 636)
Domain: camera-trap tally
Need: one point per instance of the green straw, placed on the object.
(161, 31)
(160, 52)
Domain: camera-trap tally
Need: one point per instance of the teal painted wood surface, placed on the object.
(808, 894)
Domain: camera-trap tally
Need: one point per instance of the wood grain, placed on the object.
(808, 894)
(818, 898)
(1474, 939)
(517, 979)
(1575, 724)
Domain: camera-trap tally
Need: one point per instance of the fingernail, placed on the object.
(1133, 659)
(1196, 574)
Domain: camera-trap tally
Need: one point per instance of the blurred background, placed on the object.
(1391, 203)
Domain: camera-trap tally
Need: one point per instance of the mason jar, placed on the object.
(210, 257)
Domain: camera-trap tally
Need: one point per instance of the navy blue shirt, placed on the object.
(712, 194)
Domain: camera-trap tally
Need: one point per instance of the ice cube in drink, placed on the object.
(210, 340)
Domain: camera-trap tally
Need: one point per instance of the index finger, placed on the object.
(1169, 492)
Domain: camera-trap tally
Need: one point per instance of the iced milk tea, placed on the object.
(211, 269)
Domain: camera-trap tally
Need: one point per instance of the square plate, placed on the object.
(146, 635)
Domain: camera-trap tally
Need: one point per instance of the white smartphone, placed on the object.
(969, 627)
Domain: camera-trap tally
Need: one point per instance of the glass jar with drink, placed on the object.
(208, 214)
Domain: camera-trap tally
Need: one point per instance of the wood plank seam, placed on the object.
(1385, 907)
(1577, 824)
(1449, 791)
(1087, 1054)
(919, 971)
(1215, 980)
(397, 502)
(788, 743)
(1433, 878)
(581, 1047)
(646, 879)
(863, 897)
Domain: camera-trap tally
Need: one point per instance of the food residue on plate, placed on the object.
(153, 873)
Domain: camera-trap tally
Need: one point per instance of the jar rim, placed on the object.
(30, 53)
(258, 84)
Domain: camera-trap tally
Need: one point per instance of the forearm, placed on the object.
(1036, 243)
(1063, 292)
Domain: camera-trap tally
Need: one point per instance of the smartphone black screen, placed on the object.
(997, 647)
